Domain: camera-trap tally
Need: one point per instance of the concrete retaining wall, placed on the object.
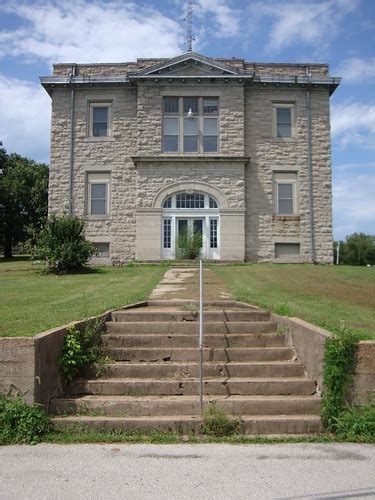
(309, 340)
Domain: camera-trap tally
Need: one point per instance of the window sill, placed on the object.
(283, 139)
(286, 218)
(90, 218)
(100, 139)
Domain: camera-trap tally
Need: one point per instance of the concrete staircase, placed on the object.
(152, 383)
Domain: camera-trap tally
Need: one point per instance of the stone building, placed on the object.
(235, 151)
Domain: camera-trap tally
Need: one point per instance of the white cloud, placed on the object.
(356, 69)
(353, 123)
(25, 118)
(226, 19)
(354, 204)
(89, 31)
(294, 21)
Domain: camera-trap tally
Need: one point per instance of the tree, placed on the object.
(358, 250)
(23, 198)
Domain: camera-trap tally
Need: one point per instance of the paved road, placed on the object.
(187, 471)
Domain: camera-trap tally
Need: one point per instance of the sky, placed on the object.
(35, 34)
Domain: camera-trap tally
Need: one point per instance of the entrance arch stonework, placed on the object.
(223, 181)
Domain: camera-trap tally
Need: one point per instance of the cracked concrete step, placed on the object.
(144, 354)
(259, 425)
(134, 406)
(276, 369)
(178, 340)
(190, 327)
(143, 314)
(240, 386)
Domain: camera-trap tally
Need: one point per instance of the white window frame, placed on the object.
(98, 178)
(99, 104)
(285, 178)
(275, 106)
(200, 116)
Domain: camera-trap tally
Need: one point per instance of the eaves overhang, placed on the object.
(50, 82)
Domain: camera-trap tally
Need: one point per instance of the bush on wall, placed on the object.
(62, 244)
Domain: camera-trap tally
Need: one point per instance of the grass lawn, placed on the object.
(328, 296)
(31, 302)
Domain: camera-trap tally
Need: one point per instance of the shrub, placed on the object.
(188, 245)
(20, 423)
(62, 244)
(338, 371)
(217, 423)
(357, 250)
(81, 349)
(357, 424)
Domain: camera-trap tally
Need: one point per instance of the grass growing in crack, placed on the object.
(216, 422)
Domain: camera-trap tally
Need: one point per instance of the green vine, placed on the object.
(339, 366)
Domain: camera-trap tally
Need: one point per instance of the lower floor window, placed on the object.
(167, 233)
(213, 233)
(102, 249)
(287, 250)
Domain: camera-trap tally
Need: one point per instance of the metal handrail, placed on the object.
(201, 334)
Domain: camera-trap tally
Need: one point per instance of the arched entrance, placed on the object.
(186, 213)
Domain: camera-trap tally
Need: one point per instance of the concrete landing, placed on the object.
(183, 283)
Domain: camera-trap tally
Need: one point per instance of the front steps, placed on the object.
(152, 383)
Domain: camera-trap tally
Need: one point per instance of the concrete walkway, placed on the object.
(183, 283)
(106, 471)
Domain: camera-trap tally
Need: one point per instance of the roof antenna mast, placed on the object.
(189, 27)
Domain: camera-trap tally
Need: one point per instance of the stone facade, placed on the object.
(240, 176)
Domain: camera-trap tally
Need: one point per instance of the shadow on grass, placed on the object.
(16, 258)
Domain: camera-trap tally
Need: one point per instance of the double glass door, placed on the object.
(190, 228)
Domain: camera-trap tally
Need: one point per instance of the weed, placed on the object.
(338, 371)
(282, 309)
(81, 349)
(357, 424)
(20, 423)
(217, 423)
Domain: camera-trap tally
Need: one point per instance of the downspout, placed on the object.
(71, 170)
(310, 169)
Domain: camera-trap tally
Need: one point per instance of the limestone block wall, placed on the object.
(269, 155)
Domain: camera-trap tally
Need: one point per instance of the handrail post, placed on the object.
(201, 334)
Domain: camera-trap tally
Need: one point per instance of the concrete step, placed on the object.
(190, 327)
(258, 425)
(135, 406)
(208, 304)
(144, 314)
(268, 369)
(241, 386)
(186, 354)
(181, 340)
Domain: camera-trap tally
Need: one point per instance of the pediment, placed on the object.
(189, 64)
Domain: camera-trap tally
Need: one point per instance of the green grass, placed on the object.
(31, 302)
(332, 297)
(96, 436)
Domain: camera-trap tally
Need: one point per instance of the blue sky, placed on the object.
(34, 34)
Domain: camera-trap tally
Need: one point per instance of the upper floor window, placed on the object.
(98, 193)
(190, 124)
(283, 120)
(99, 119)
(286, 193)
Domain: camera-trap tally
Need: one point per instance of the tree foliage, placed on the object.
(357, 250)
(23, 198)
(62, 244)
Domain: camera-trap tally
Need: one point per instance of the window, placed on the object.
(190, 124)
(190, 201)
(287, 250)
(285, 193)
(100, 119)
(213, 233)
(102, 249)
(167, 233)
(283, 120)
(98, 193)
